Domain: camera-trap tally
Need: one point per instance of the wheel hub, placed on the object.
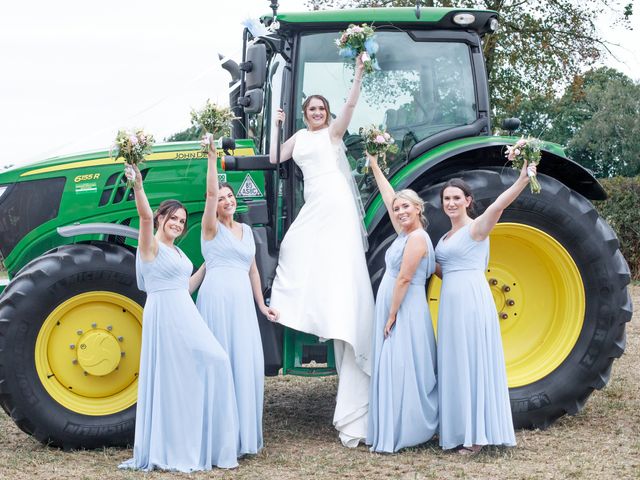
(98, 352)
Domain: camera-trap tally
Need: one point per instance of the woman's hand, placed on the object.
(280, 116)
(132, 172)
(208, 143)
(372, 159)
(390, 323)
(359, 65)
(271, 313)
(527, 171)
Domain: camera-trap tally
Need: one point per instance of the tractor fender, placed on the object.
(98, 228)
(478, 153)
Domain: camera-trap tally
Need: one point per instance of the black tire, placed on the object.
(573, 222)
(28, 300)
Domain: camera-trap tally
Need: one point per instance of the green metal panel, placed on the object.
(176, 170)
(293, 346)
(371, 15)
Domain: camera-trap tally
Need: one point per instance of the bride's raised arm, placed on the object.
(340, 124)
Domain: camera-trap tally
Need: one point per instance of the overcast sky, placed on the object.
(74, 71)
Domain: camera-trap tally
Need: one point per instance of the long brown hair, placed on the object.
(466, 190)
(166, 209)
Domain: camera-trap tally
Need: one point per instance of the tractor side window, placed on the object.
(421, 89)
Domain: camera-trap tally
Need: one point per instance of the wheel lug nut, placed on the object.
(511, 302)
(506, 288)
(94, 325)
(109, 327)
(79, 332)
(72, 346)
(493, 281)
(503, 316)
(122, 354)
(120, 339)
(85, 374)
(74, 361)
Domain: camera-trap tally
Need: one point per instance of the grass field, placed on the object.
(601, 442)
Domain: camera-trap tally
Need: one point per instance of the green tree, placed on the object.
(539, 47)
(191, 133)
(598, 119)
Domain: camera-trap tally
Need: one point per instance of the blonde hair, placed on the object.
(414, 198)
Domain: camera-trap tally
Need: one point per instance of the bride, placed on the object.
(322, 283)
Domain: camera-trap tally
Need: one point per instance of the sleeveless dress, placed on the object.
(403, 406)
(472, 378)
(186, 416)
(322, 283)
(225, 301)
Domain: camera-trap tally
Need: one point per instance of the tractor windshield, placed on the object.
(422, 88)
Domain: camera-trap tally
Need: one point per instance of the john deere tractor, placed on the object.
(71, 314)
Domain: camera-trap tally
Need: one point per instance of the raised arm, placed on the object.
(482, 225)
(386, 190)
(209, 217)
(414, 250)
(147, 243)
(254, 277)
(286, 150)
(340, 124)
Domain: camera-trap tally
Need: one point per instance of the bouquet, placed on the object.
(358, 39)
(212, 119)
(132, 146)
(377, 142)
(526, 149)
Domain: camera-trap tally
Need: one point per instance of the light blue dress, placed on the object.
(403, 401)
(472, 380)
(225, 301)
(186, 416)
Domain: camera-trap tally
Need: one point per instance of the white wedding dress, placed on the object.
(322, 283)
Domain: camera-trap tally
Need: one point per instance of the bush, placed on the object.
(622, 211)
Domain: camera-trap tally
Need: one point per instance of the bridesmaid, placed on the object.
(226, 302)
(472, 383)
(186, 417)
(403, 402)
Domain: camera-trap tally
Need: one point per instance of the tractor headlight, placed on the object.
(493, 24)
(464, 19)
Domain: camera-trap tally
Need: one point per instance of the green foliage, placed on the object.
(539, 47)
(622, 213)
(191, 133)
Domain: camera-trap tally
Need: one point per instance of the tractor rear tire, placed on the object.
(560, 286)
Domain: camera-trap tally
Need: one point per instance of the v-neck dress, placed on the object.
(186, 417)
(403, 403)
(472, 378)
(225, 301)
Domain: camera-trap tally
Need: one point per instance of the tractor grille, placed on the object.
(25, 206)
(116, 190)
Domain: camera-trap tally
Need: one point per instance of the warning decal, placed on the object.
(249, 188)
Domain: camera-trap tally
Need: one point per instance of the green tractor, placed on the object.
(70, 316)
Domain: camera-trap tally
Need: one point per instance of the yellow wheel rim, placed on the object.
(539, 297)
(88, 352)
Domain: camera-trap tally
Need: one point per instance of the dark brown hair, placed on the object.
(466, 190)
(166, 209)
(324, 101)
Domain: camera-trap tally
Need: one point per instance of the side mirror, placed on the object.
(511, 124)
(255, 67)
(252, 101)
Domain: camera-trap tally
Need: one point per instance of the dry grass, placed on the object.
(601, 442)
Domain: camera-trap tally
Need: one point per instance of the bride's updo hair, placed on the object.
(166, 209)
(414, 198)
(324, 101)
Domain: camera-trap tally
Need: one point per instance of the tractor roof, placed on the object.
(378, 17)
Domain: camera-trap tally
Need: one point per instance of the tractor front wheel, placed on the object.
(71, 324)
